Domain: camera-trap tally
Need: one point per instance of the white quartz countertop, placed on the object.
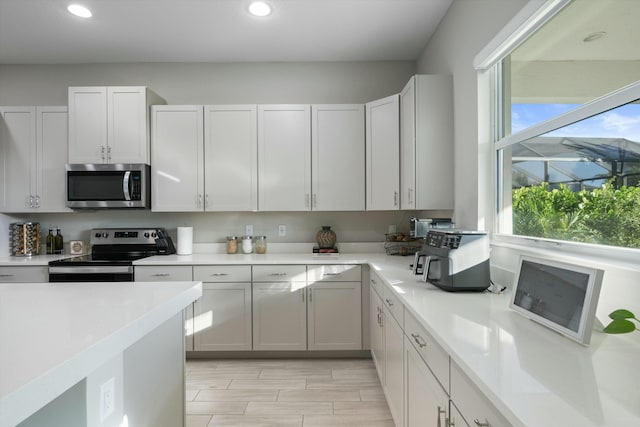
(533, 375)
(30, 261)
(54, 335)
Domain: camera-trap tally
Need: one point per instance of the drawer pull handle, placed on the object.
(479, 424)
(219, 274)
(415, 338)
(6, 275)
(278, 274)
(331, 274)
(389, 302)
(161, 275)
(374, 282)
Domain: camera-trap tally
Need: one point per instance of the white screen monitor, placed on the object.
(558, 295)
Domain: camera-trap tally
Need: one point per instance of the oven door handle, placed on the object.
(125, 185)
(91, 270)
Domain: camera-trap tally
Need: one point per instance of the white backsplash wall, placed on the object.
(213, 227)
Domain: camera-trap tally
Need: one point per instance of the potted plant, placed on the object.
(621, 322)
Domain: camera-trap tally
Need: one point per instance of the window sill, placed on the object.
(578, 253)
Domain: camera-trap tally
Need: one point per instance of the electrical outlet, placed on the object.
(393, 229)
(248, 230)
(282, 230)
(107, 398)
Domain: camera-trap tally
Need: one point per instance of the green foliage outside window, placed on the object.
(607, 215)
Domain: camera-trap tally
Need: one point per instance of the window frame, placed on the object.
(497, 71)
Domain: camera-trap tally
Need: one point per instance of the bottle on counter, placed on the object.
(247, 244)
(261, 244)
(59, 243)
(51, 242)
(232, 244)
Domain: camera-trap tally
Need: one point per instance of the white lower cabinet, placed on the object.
(377, 332)
(426, 402)
(279, 316)
(473, 406)
(334, 316)
(455, 417)
(170, 273)
(394, 367)
(222, 316)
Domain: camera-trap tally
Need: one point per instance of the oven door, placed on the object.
(115, 273)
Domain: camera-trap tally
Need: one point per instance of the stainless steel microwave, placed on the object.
(108, 186)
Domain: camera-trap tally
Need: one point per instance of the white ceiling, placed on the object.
(43, 32)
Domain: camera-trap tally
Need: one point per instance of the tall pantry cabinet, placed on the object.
(33, 152)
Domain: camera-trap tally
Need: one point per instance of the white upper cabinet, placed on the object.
(338, 156)
(383, 154)
(33, 152)
(177, 158)
(110, 124)
(284, 158)
(231, 158)
(426, 143)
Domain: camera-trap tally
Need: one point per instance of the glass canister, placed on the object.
(260, 244)
(232, 244)
(247, 244)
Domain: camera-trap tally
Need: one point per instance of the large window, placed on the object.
(569, 147)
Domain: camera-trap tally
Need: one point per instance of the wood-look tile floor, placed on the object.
(277, 392)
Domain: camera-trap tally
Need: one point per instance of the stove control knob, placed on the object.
(153, 235)
(105, 235)
(98, 235)
(146, 235)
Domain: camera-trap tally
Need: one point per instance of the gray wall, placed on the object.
(466, 28)
(212, 83)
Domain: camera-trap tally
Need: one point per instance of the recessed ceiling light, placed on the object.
(594, 36)
(79, 10)
(260, 8)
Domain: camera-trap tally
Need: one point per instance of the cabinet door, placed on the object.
(426, 403)
(377, 332)
(231, 158)
(383, 154)
(222, 317)
(433, 142)
(408, 146)
(284, 158)
(87, 125)
(394, 367)
(52, 154)
(279, 316)
(335, 316)
(177, 156)
(18, 158)
(161, 273)
(127, 139)
(338, 155)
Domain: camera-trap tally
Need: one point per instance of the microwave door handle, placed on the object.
(125, 186)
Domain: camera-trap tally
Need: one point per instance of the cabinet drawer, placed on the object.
(222, 273)
(437, 359)
(393, 305)
(334, 273)
(472, 403)
(24, 274)
(163, 273)
(279, 273)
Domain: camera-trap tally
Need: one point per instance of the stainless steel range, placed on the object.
(113, 251)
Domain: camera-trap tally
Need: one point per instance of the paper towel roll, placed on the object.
(185, 240)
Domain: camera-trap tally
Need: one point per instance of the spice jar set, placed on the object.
(247, 244)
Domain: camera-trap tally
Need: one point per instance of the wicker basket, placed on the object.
(401, 244)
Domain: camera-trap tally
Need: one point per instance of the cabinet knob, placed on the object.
(37, 201)
(417, 338)
(30, 201)
(395, 198)
(389, 302)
